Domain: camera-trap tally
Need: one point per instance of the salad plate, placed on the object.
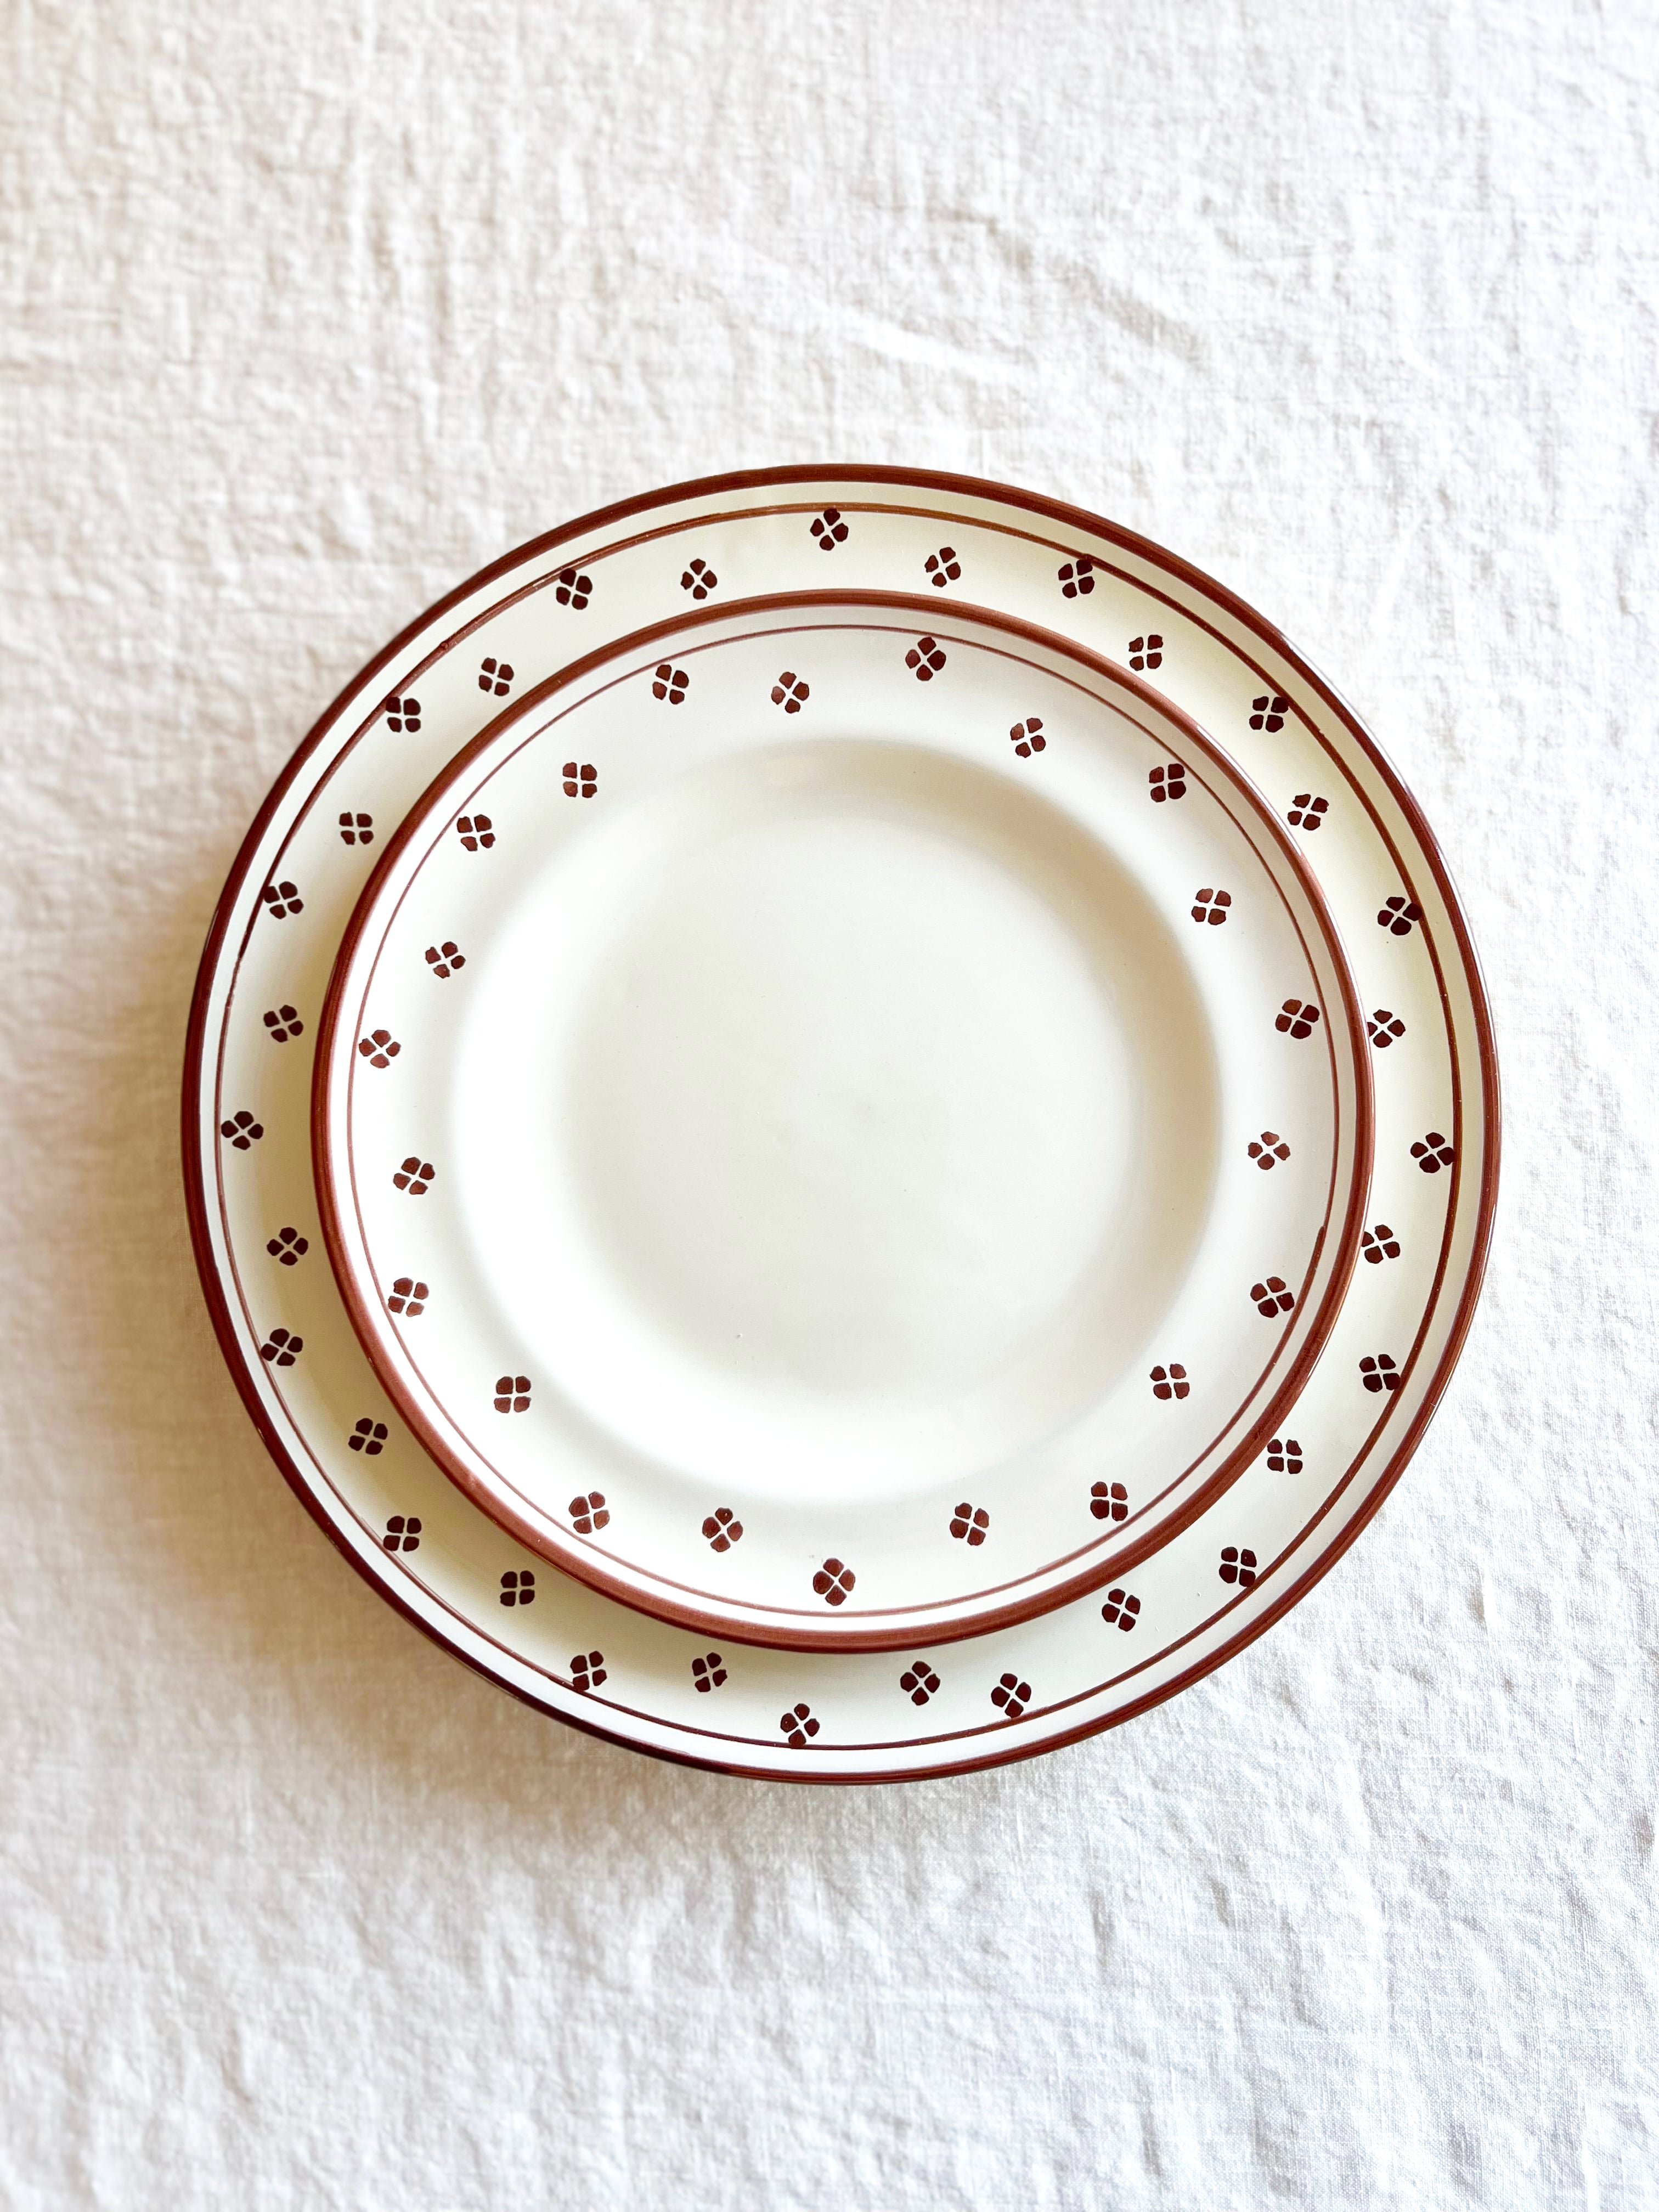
(555, 1640)
(891, 1138)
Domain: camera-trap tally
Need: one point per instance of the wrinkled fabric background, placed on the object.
(310, 310)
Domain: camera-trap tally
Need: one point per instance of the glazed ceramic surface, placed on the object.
(889, 1137)
(557, 1642)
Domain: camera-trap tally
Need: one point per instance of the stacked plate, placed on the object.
(841, 1124)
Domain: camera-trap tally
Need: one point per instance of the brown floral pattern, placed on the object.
(834, 1581)
(1121, 1610)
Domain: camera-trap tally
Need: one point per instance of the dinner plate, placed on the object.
(553, 1640)
(892, 1145)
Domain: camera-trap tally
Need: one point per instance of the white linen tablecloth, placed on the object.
(309, 310)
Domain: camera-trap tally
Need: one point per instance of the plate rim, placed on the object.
(959, 486)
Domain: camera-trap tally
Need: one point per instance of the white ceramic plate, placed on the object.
(576, 1653)
(893, 1144)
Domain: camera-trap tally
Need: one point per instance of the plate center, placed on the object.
(858, 1110)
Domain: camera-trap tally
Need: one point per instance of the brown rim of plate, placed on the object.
(1070, 518)
(683, 1606)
